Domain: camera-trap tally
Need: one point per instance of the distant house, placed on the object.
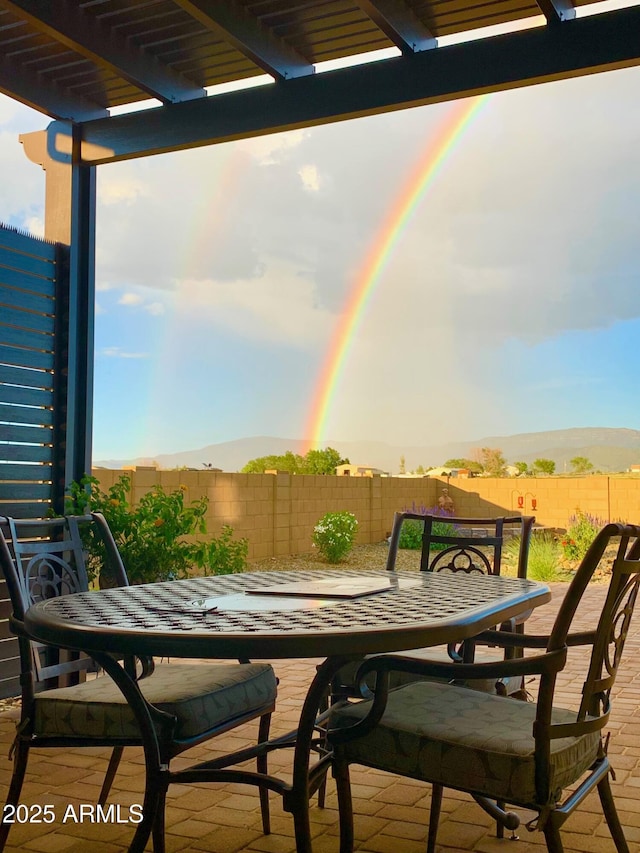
(633, 469)
(348, 470)
(448, 472)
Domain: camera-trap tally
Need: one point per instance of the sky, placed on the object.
(509, 303)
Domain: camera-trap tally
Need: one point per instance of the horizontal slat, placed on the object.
(18, 297)
(26, 338)
(27, 319)
(25, 396)
(12, 241)
(5, 604)
(25, 358)
(26, 415)
(5, 630)
(30, 264)
(8, 650)
(24, 491)
(9, 688)
(24, 472)
(25, 509)
(26, 453)
(11, 665)
(27, 434)
(26, 377)
(35, 284)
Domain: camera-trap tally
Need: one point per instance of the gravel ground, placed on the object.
(366, 557)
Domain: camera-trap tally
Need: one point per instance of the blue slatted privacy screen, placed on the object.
(27, 374)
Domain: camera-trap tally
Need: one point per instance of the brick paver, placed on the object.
(390, 813)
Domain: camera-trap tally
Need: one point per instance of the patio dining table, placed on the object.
(337, 615)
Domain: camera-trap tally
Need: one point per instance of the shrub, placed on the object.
(544, 555)
(580, 534)
(334, 535)
(150, 535)
(412, 528)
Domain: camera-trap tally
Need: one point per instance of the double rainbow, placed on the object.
(382, 248)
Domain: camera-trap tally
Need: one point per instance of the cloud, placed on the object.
(310, 177)
(130, 299)
(155, 308)
(116, 352)
(120, 191)
(279, 308)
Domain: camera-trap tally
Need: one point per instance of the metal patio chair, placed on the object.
(189, 702)
(500, 750)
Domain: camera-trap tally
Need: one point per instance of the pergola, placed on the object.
(75, 60)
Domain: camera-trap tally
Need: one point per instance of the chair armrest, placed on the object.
(531, 665)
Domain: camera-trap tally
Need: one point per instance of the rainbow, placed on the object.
(406, 204)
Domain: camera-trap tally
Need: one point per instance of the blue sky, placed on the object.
(510, 304)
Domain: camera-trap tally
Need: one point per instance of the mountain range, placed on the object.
(606, 448)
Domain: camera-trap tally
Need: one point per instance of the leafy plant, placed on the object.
(335, 534)
(580, 534)
(544, 466)
(315, 462)
(150, 535)
(413, 528)
(544, 556)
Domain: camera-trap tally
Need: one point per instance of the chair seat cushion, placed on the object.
(465, 739)
(200, 696)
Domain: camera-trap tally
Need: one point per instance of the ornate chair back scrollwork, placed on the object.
(64, 706)
(499, 751)
(466, 544)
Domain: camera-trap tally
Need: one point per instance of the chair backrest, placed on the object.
(464, 544)
(46, 558)
(619, 546)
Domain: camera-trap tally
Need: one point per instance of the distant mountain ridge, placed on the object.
(609, 449)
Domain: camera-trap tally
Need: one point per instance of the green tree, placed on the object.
(322, 461)
(544, 466)
(580, 465)
(522, 467)
(315, 462)
(289, 462)
(493, 461)
(403, 466)
(474, 467)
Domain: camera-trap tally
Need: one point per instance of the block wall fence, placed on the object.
(277, 512)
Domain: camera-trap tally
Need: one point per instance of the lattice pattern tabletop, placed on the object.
(418, 609)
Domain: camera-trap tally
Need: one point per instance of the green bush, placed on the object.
(150, 535)
(335, 534)
(580, 534)
(412, 529)
(544, 556)
(411, 534)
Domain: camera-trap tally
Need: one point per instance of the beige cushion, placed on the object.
(465, 739)
(201, 696)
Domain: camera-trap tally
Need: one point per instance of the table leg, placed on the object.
(156, 768)
(306, 779)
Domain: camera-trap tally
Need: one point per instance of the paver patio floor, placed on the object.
(390, 812)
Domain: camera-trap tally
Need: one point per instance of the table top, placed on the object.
(417, 609)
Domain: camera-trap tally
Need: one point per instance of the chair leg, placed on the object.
(157, 833)
(434, 816)
(112, 769)
(20, 759)
(262, 767)
(345, 806)
(611, 815)
(552, 837)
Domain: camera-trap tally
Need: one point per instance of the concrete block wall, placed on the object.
(553, 500)
(277, 512)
